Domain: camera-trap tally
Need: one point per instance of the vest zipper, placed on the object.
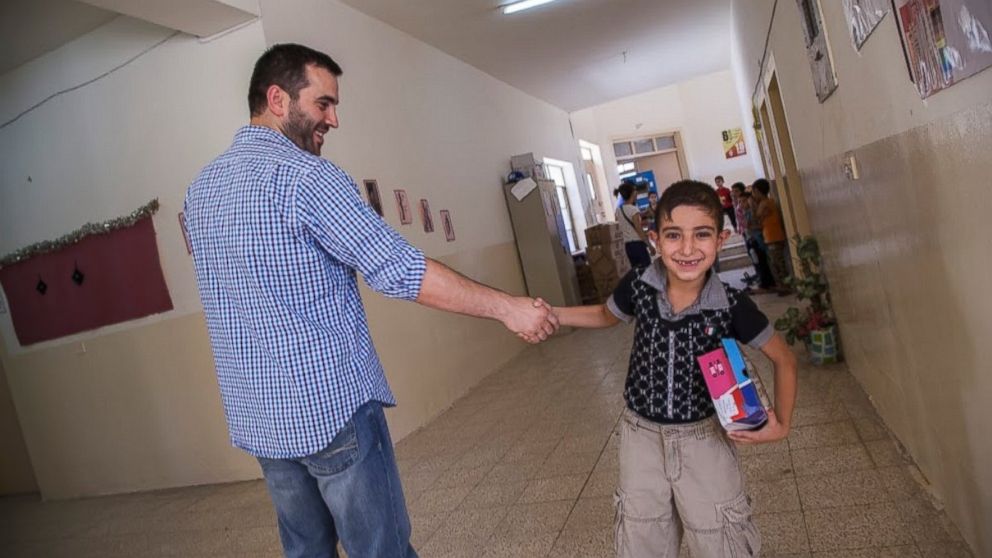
(671, 372)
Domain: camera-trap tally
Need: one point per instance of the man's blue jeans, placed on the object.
(349, 491)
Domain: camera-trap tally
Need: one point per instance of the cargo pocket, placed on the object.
(740, 536)
(639, 525)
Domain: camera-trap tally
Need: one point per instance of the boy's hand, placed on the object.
(772, 431)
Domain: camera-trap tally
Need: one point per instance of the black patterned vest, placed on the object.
(664, 383)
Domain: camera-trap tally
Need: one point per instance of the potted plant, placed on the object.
(814, 324)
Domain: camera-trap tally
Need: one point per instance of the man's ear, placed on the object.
(278, 100)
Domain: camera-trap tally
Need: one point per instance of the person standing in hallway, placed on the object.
(750, 228)
(677, 465)
(726, 201)
(278, 236)
(772, 233)
(629, 218)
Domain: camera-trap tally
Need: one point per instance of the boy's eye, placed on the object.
(704, 234)
(672, 235)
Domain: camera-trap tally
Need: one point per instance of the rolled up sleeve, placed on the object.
(330, 208)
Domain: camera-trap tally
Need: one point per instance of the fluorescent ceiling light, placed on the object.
(523, 5)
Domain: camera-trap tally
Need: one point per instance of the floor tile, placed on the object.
(843, 489)
(831, 460)
(855, 527)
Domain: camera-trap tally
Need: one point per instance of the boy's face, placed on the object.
(688, 243)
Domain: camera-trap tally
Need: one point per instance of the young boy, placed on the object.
(679, 472)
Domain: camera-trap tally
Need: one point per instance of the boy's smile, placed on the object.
(688, 243)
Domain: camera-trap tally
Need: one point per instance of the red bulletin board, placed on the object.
(122, 280)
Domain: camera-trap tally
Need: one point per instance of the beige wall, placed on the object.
(16, 474)
(135, 406)
(699, 108)
(906, 246)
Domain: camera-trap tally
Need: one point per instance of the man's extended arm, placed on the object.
(445, 289)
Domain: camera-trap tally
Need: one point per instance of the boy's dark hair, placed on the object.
(692, 193)
(285, 65)
(718, 177)
(739, 186)
(762, 186)
(625, 189)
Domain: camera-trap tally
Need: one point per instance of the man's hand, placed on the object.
(531, 319)
(772, 431)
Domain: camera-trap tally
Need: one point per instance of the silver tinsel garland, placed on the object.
(46, 246)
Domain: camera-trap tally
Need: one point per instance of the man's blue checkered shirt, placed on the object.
(277, 236)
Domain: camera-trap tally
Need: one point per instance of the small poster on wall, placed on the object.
(449, 229)
(403, 206)
(733, 143)
(425, 216)
(945, 41)
(372, 192)
(863, 16)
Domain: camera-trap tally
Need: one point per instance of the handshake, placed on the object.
(532, 319)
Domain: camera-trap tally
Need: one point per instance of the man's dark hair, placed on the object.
(625, 189)
(692, 193)
(739, 187)
(762, 186)
(285, 65)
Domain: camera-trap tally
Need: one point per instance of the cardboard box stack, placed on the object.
(607, 258)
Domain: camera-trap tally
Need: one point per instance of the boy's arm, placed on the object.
(595, 316)
(780, 416)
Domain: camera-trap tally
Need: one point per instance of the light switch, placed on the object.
(851, 167)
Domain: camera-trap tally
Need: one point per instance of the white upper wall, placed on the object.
(700, 109)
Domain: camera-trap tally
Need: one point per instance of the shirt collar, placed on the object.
(253, 134)
(713, 297)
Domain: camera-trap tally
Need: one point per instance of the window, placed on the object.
(557, 174)
(636, 147)
(622, 149)
(626, 168)
(644, 146)
(663, 143)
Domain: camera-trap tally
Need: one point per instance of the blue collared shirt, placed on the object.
(277, 236)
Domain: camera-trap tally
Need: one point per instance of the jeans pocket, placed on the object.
(342, 453)
(740, 535)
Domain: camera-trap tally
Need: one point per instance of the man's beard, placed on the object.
(300, 128)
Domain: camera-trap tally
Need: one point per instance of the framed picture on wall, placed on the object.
(425, 216)
(818, 49)
(372, 193)
(449, 229)
(403, 207)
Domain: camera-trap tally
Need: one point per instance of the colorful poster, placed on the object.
(945, 41)
(733, 143)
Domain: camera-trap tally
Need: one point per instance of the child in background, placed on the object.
(679, 471)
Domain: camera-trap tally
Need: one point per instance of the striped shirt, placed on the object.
(278, 235)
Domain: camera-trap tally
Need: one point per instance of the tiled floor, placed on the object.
(525, 465)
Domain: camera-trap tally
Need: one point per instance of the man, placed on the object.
(726, 201)
(278, 235)
(769, 216)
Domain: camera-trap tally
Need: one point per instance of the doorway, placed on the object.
(779, 161)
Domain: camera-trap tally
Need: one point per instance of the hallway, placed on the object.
(525, 466)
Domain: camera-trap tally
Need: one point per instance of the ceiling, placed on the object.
(30, 28)
(572, 53)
